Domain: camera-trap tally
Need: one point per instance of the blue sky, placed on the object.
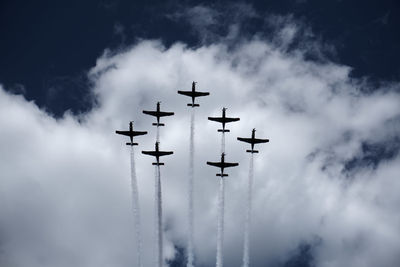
(48, 44)
(320, 80)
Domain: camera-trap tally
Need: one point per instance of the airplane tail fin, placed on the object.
(158, 124)
(131, 144)
(252, 151)
(221, 175)
(223, 130)
(157, 164)
(193, 105)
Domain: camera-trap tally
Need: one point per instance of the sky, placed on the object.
(320, 80)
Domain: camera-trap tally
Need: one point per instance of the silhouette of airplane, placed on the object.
(157, 153)
(158, 114)
(131, 133)
(253, 140)
(193, 94)
(222, 164)
(223, 120)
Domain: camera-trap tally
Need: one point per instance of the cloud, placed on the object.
(65, 196)
(119, 31)
(216, 23)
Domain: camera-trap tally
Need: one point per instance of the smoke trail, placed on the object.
(246, 245)
(223, 143)
(220, 232)
(221, 204)
(190, 253)
(158, 210)
(136, 209)
(158, 216)
(158, 134)
(160, 233)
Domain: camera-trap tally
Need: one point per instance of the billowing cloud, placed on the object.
(65, 193)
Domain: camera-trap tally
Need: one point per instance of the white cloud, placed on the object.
(65, 196)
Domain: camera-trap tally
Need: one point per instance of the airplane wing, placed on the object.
(152, 113)
(231, 119)
(217, 119)
(163, 113)
(257, 140)
(127, 133)
(164, 153)
(196, 94)
(216, 164)
(247, 140)
(135, 133)
(151, 153)
(187, 93)
(228, 164)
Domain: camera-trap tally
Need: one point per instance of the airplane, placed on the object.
(253, 140)
(157, 153)
(158, 114)
(131, 133)
(193, 94)
(223, 120)
(222, 164)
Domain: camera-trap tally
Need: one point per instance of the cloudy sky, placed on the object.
(320, 80)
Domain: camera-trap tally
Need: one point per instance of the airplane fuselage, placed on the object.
(131, 133)
(252, 141)
(158, 114)
(223, 120)
(193, 94)
(222, 165)
(157, 154)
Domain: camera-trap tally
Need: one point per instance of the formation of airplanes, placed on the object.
(157, 153)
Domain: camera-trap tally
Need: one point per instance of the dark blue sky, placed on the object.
(47, 46)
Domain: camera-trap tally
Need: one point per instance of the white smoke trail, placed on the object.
(223, 143)
(246, 245)
(136, 209)
(160, 232)
(190, 253)
(158, 215)
(220, 232)
(221, 204)
(158, 134)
